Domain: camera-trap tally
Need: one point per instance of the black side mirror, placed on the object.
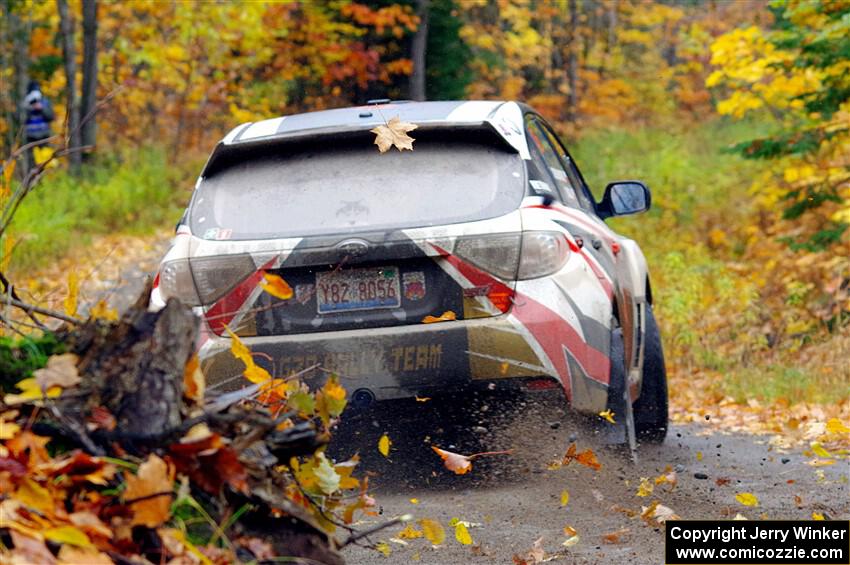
(623, 198)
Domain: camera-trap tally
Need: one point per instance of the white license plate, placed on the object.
(357, 289)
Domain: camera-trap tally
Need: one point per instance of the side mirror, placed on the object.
(625, 197)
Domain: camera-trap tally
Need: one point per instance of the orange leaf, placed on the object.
(446, 316)
(152, 485)
(193, 381)
(460, 464)
(586, 458)
(614, 537)
(276, 286)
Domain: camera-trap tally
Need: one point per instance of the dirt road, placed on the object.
(513, 501)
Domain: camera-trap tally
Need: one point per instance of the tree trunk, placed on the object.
(572, 63)
(89, 88)
(418, 53)
(611, 36)
(66, 30)
(19, 33)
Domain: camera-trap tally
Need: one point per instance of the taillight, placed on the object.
(204, 280)
(175, 281)
(216, 276)
(502, 297)
(543, 253)
(497, 254)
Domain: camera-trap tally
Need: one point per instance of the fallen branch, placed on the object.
(32, 308)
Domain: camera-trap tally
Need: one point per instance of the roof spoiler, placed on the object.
(228, 154)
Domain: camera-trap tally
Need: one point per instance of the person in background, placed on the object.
(39, 114)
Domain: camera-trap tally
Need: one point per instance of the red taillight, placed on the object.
(502, 297)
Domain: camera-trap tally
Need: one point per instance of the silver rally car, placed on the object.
(479, 257)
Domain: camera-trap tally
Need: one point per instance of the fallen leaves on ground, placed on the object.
(572, 537)
(565, 497)
(608, 415)
(394, 134)
(645, 487)
(30, 391)
(61, 371)
(615, 537)
(533, 556)
(410, 532)
(747, 499)
(151, 490)
(668, 477)
(656, 513)
(462, 534)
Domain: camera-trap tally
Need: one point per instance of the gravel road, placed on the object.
(513, 501)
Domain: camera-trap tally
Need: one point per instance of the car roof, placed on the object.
(447, 113)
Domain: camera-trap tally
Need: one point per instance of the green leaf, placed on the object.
(326, 477)
(303, 401)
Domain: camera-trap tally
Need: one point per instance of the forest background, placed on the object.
(736, 113)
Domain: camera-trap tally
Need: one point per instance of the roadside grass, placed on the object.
(136, 193)
(706, 297)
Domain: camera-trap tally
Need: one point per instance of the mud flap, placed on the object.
(630, 425)
(619, 401)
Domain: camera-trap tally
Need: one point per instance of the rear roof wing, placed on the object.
(226, 154)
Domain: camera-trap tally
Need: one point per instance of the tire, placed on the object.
(650, 410)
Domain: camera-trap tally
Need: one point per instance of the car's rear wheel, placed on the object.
(650, 410)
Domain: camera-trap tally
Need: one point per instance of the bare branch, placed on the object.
(31, 308)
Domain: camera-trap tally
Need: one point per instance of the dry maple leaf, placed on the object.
(61, 370)
(394, 134)
(462, 464)
(614, 537)
(70, 555)
(276, 286)
(151, 488)
(30, 550)
(193, 381)
(101, 419)
(446, 316)
(586, 458)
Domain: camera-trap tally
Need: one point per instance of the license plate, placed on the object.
(357, 289)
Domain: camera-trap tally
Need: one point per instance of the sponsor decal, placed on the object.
(393, 360)
(413, 285)
(304, 292)
(476, 291)
(218, 234)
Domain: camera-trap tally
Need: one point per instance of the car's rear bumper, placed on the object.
(393, 362)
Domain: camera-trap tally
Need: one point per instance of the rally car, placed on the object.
(478, 257)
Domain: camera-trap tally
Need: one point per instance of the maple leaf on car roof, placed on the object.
(394, 134)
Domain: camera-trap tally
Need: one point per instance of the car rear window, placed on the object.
(339, 185)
